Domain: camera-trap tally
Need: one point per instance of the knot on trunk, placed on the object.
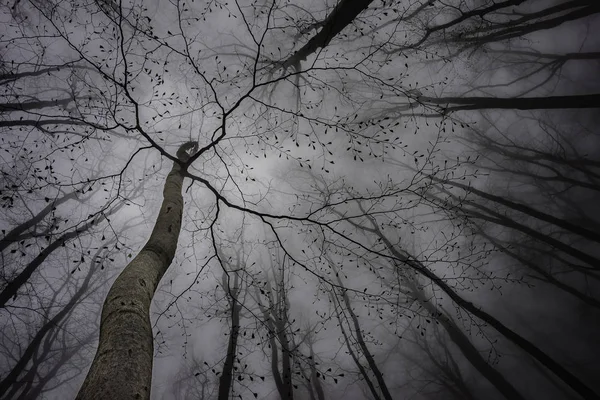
(187, 150)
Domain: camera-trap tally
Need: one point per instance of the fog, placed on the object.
(300, 199)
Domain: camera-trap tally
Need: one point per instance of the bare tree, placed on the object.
(126, 340)
(353, 336)
(439, 368)
(101, 96)
(231, 283)
(276, 320)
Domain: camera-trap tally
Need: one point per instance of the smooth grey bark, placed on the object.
(122, 367)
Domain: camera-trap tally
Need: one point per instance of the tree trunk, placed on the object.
(518, 103)
(343, 15)
(575, 383)
(11, 379)
(227, 375)
(11, 290)
(363, 372)
(16, 233)
(363, 346)
(314, 378)
(286, 360)
(548, 362)
(467, 348)
(122, 367)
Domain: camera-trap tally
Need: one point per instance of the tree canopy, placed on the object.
(300, 199)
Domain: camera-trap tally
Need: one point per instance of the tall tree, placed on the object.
(232, 286)
(122, 367)
(98, 97)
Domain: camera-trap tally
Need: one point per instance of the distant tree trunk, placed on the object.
(363, 372)
(34, 105)
(227, 375)
(462, 341)
(286, 359)
(39, 387)
(276, 320)
(540, 273)
(458, 337)
(11, 290)
(49, 329)
(342, 15)
(314, 378)
(518, 103)
(16, 233)
(500, 218)
(523, 208)
(122, 367)
(404, 257)
(363, 346)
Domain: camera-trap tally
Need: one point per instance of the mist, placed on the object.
(300, 199)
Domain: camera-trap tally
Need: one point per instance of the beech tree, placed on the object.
(122, 367)
(401, 165)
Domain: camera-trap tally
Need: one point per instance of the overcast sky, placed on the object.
(337, 185)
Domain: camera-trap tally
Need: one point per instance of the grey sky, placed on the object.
(356, 163)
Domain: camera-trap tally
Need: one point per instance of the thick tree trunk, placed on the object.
(122, 368)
